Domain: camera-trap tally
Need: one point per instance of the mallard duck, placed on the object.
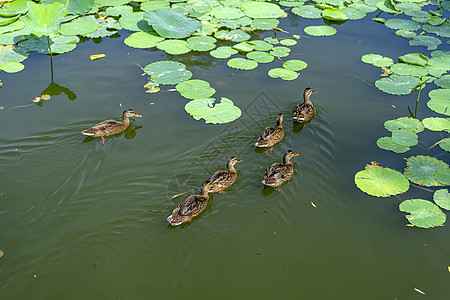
(190, 207)
(278, 173)
(223, 179)
(110, 127)
(305, 111)
(271, 135)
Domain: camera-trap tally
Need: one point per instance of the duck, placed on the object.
(305, 111)
(271, 135)
(278, 173)
(110, 127)
(223, 179)
(190, 207)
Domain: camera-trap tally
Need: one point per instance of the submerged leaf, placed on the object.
(421, 169)
(214, 113)
(381, 182)
(423, 213)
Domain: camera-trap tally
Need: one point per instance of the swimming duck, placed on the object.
(278, 173)
(190, 207)
(305, 111)
(110, 127)
(271, 135)
(223, 179)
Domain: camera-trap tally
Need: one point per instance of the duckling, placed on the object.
(305, 111)
(110, 127)
(190, 207)
(278, 173)
(271, 135)
(223, 179)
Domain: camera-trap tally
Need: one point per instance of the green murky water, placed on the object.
(82, 220)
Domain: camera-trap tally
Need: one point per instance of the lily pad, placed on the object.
(261, 45)
(443, 176)
(201, 43)
(406, 34)
(334, 15)
(142, 40)
(12, 67)
(167, 72)
(271, 40)
(404, 137)
(295, 65)
(106, 26)
(440, 101)
(377, 60)
(386, 143)
(242, 63)
(353, 13)
(213, 113)
(260, 57)
(11, 53)
(442, 198)
(78, 27)
(428, 41)
(402, 24)
(120, 10)
(445, 144)
(44, 19)
(404, 123)
(308, 11)
(59, 44)
(237, 35)
(322, 30)
(397, 85)
(421, 169)
(441, 30)
(423, 213)
(443, 82)
(244, 46)
(12, 27)
(437, 124)
(265, 24)
(386, 6)
(282, 73)
(171, 24)
(223, 52)
(288, 42)
(134, 21)
(417, 59)
(280, 51)
(381, 182)
(254, 10)
(226, 12)
(174, 46)
(407, 69)
(154, 5)
(195, 89)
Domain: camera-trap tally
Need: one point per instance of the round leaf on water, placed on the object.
(223, 52)
(428, 41)
(12, 27)
(386, 143)
(404, 123)
(440, 101)
(10, 53)
(406, 34)
(334, 15)
(295, 65)
(174, 46)
(283, 74)
(121, 10)
(322, 30)
(12, 67)
(244, 46)
(265, 24)
(262, 10)
(242, 63)
(381, 182)
(445, 144)
(386, 6)
(271, 40)
(280, 51)
(233, 35)
(226, 12)
(111, 2)
(14, 8)
(404, 137)
(214, 113)
(261, 45)
(377, 60)
(260, 57)
(442, 198)
(308, 11)
(78, 27)
(107, 26)
(142, 40)
(442, 30)
(397, 85)
(44, 19)
(353, 13)
(417, 59)
(4, 21)
(195, 89)
(402, 24)
(423, 213)
(167, 72)
(443, 82)
(154, 5)
(171, 24)
(437, 124)
(201, 43)
(407, 69)
(421, 169)
(59, 44)
(134, 21)
(435, 21)
(443, 176)
(288, 42)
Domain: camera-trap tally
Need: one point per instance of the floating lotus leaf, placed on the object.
(226, 12)
(406, 33)
(428, 41)
(308, 11)
(174, 47)
(407, 69)
(263, 10)
(79, 7)
(423, 213)
(7, 20)
(116, 11)
(260, 57)
(442, 30)
(280, 51)
(265, 24)
(413, 10)
(201, 43)
(404, 123)
(154, 5)
(397, 85)
(214, 113)
(271, 40)
(437, 124)
(404, 137)
(12, 67)
(363, 7)
(107, 26)
(381, 182)
(445, 144)
(14, 8)
(439, 62)
(402, 24)
(135, 22)
(282, 73)
(443, 176)
(44, 19)
(386, 6)
(78, 27)
(435, 21)
(295, 65)
(223, 52)
(111, 2)
(59, 44)
(288, 42)
(353, 13)
(289, 3)
(377, 60)
(322, 30)
(334, 15)
(261, 45)
(440, 101)
(171, 24)
(417, 59)
(443, 82)
(421, 169)
(195, 89)
(167, 72)
(242, 63)
(244, 46)
(12, 27)
(233, 24)
(12, 54)
(442, 198)
(14, 37)
(233, 35)
(386, 143)
(142, 40)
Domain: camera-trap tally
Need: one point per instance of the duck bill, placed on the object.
(295, 154)
(239, 160)
(313, 92)
(136, 115)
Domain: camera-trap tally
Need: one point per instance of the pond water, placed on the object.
(86, 220)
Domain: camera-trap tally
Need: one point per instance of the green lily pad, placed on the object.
(421, 169)
(262, 10)
(271, 40)
(404, 137)
(417, 59)
(120, 10)
(423, 213)
(437, 124)
(223, 52)
(353, 13)
(201, 43)
(440, 101)
(402, 24)
(386, 6)
(443, 176)
(14, 8)
(12, 67)
(407, 69)
(12, 27)
(381, 182)
(4, 21)
(283, 73)
(244, 46)
(106, 26)
(134, 21)
(226, 12)
(280, 51)
(443, 82)
(111, 2)
(377, 60)
(167, 72)
(334, 15)
(404, 123)
(295, 65)
(174, 47)
(386, 143)
(288, 42)
(308, 11)
(265, 24)
(78, 27)
(233, 35)
(260, 57)
(44, 19)
(406, 34)
(171, 24)
(213, 113)
(195, 89)
(397, 85)
(322, 30)
(442, 30)
(154, 5)
(428, 41)
(445, 144)
(261, 45)
(442, 198)
(142, 40)
(59, 44)
(435, 21)
(242, 63)
(10, 53)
